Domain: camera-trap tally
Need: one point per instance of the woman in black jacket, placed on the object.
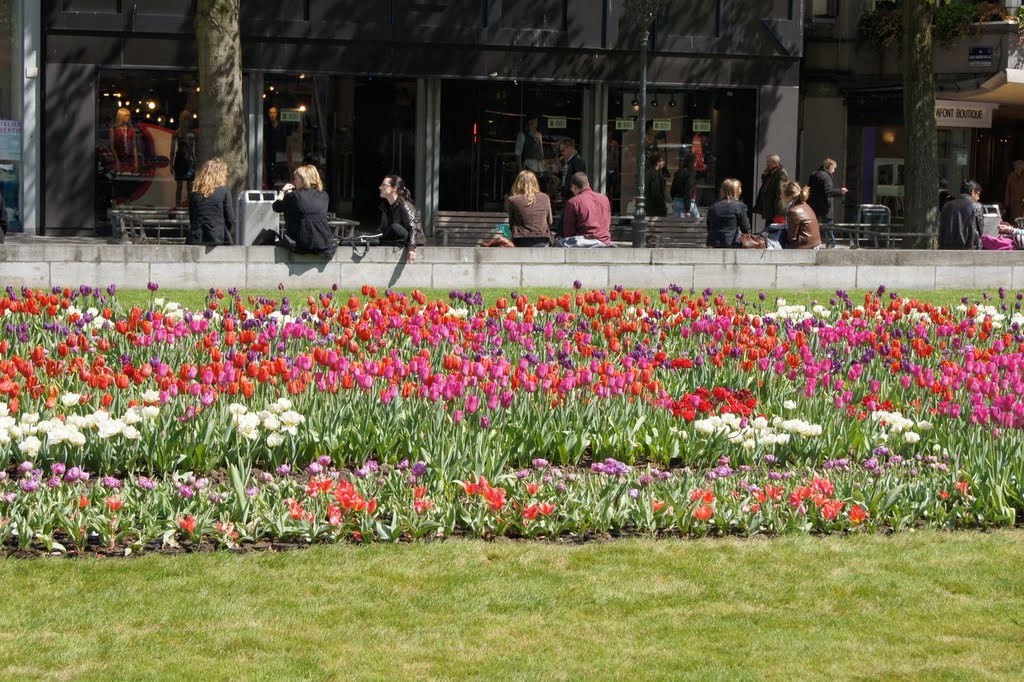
(727, 218)
(211, 218)
(684, 184)
(304, 205)
(399, 222)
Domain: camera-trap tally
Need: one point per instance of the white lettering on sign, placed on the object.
(949, 114)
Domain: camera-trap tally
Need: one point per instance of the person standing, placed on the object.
(529, 212)
(684, 189)
(654, 190)
(211, 217)
(183, 156)
(962, 220)
(1015, 192)
(588, 216)
(822, 191)
(769, 197)
(3, 221)
(571, 165)
(727, 218)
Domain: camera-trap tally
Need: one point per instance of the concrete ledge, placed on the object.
(52, 262)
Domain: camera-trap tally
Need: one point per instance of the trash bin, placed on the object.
(871, 215)
(993, 216)
(255, 213)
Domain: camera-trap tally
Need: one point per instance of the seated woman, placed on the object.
(211, 217)
(802, 230)
(399, 221)
(727, 218)
(304, 205)
(529, 212)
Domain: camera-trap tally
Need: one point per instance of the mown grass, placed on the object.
(196, 298)
(911, 606)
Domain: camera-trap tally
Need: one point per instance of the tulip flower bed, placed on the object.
(390, 416)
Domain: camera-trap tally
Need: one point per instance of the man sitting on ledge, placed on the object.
(588, 216)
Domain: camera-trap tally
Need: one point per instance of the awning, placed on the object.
(1006, 87)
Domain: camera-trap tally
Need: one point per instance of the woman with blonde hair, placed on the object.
(802, 229)
(529, 212)
(211, 218)
(304, 202)
(122, 142)
(727, 218)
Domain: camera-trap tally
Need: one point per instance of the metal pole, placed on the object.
(639, 215)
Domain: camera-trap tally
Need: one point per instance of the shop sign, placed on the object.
(291, 116)
(979, 56)
(702, 125)
(10, 140)
(556, 122)
(624, 124)
(952, 114)
(662, 124)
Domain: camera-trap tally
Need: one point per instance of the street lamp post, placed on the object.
(639, 213)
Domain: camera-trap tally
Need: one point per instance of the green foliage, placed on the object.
(954, 21)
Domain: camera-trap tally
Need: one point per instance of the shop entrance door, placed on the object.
(384, 142)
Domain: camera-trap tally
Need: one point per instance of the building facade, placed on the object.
(441, 92)
(852, 106)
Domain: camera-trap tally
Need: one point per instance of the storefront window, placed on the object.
(712, 129)
(10, 121)
(492, 130)
(147, 128)
(882, 173)
(354, 130)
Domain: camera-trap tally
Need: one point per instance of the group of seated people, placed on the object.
(304, 203)
(797, 229)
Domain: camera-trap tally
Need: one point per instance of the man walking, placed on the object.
(769, 197)
(962, 220)
(588, 216)
(823, 189)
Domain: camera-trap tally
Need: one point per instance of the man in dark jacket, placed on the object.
(769, 197)
(823, 190)
(571, 165)
(962, 219)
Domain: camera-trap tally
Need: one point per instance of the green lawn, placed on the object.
(196, 298)
(910, 606)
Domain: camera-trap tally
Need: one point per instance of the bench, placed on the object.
(150, 224)
(463, 228)
(666, 233)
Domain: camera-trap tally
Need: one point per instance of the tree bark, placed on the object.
(921, 168)
(221, 105)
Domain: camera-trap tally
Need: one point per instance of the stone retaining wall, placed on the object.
(43, 264)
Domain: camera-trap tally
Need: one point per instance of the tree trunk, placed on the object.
(221, 107)
(921, 168)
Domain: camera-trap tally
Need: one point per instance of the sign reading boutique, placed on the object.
(953, 114)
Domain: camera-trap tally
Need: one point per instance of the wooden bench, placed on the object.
(664, 232)
(461, 228)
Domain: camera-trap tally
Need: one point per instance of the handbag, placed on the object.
(992, 243)
(753, 241)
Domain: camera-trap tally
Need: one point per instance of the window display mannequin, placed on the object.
(122, 143)
(183, 156)
(530, 147)
(275, 138)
